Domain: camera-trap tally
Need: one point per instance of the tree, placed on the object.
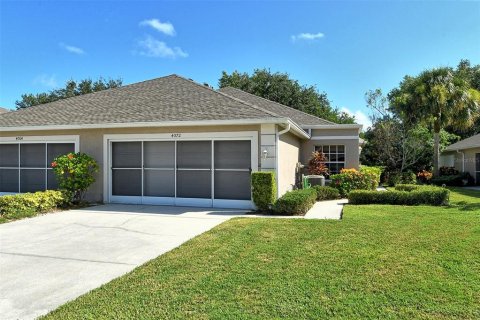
(393, 144)
(436, 98)
(279, 87)
(72, 88)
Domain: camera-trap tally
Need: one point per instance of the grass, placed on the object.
(379, 262)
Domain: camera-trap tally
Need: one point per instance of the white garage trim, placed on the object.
(176, 136)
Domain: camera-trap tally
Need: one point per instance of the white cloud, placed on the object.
(72, 49)
(152, 47)
(46, 80)
(360, 117)
(163, 27)
(307, 36)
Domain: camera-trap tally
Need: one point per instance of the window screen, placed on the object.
(194, 184)
(58, 149)
(127, 154)
(159, 183)
(9, 155)
(32, 180)
(159, 154)
(194, 154)
(232, 154)
(126, 182)
(32, 155)
(9, 180)
(233, 185)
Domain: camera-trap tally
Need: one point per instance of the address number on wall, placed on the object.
(18, 138)
(176, 135)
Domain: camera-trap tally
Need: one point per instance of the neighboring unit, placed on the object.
(169, 141)
(464, 155)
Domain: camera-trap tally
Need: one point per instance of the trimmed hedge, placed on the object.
(458, 180)
(424, 195)
(264, 189)
(407, 187)
(38, 202)
(326, 193)
(296, 202)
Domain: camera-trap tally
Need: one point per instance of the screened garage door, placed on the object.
(191, 173)
(25, 167)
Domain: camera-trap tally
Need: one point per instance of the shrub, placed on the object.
(264, 189)
(75, 173)
(373, 170)
(326, 193)
(458, 180)
(423, 195)
(316, 164)
(394, 177)
(296, 202)
(406, 187)
(351, 179)
(38, 202)
(448, 171)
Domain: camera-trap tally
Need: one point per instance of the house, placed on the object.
(464, 155)
(169, 141)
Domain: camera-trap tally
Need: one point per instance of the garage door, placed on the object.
(25, 167)
(190, 173)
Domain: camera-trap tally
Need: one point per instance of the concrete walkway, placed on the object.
(48, 260)
(331, 209)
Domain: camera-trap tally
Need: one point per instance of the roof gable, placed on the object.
(471, 142)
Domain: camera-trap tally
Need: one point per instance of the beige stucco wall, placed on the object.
(91, 142)
(468, 162)
(347, 137)
(288, 156)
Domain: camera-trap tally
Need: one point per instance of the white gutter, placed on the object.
(285, 130)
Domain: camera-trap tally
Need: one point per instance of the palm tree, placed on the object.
(437, 98)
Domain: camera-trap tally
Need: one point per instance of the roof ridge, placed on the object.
(230, 97)
(281, 104)
(93, 93)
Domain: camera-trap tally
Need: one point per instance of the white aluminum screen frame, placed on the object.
(201, 136)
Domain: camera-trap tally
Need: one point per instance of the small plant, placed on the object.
(75, 173)
(29, 204)
(264, 190)
(448, 171)
(316, 164)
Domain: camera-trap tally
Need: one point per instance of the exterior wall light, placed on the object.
(265, 153)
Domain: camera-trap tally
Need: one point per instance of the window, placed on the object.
(335, 155)
(25, 167)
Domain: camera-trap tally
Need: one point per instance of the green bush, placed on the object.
(75, 173)
(407, 187)
(326, 193)
(458, 180)
(296, 202)
(351, 179)
(38, 202)
(424, 195)
(264, 190)
(377, 171)
(394, 177)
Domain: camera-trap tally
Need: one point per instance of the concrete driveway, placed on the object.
(49, 260)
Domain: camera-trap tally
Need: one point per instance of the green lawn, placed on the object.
(379, 262)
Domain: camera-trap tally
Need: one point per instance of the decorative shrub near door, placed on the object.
(264, 190)
(31, 203)
(75, 174)
(351, 179)
(296, 202)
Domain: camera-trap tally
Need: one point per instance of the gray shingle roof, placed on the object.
(472, 142)
(3, 110)
(170, 98)
(299, 117)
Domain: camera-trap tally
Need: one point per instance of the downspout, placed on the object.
(277, 140)
(463, 160)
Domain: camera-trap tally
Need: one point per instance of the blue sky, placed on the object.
(344, 48)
